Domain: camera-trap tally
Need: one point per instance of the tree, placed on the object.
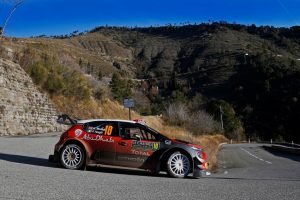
(233, 126)
(16, 4)
(121, 89)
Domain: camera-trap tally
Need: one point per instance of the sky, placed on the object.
(56, 17)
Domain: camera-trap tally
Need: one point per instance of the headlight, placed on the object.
(196, 149)
(199, 154)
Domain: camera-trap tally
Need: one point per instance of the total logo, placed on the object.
(141, 153)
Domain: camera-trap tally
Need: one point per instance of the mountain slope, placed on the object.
(255, 69)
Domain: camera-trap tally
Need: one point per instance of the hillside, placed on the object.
(252, 72)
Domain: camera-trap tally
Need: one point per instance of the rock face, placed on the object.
(23, 108)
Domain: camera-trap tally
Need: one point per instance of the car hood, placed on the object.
(187, 143)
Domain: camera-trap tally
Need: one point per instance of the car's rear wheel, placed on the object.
(72, 157)
(178, 165)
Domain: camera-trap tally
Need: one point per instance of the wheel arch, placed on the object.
(84, 146)
(166, 154)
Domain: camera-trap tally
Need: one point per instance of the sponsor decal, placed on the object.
(102, 131)
(131, 159)
(78, 132)
(98, 130)
(140, 153)
(138, 145)
(168, 142)
(155, 146)
(97, 138)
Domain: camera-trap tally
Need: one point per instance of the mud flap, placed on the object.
(51, 159)
(197, 173)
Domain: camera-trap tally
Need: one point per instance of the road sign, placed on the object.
(128, 103)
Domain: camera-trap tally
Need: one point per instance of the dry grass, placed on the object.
(113, 110)
(77, 108)
(91, 108)
(209, 142)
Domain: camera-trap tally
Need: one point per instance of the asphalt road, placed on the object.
(246, 171)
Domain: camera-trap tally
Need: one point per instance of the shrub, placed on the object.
(177, 114)
(38, 72)
(198, 122)
(54, 83)
(59, 80)
(101, 92)
(202, 122)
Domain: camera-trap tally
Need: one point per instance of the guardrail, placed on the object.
(282, 146)
(285, 148)
(287, 144)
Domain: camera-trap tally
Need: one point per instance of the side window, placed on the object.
(132, 131)
(147, 135)
(102, 128)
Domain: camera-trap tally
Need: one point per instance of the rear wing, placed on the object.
(65, 119)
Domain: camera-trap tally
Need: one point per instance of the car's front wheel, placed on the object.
(72, 157)
(178, 165)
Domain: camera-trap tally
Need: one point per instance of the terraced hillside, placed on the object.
(255, 70)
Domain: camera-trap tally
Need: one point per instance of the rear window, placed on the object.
(102, 128)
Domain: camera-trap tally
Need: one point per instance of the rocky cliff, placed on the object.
(23, 108)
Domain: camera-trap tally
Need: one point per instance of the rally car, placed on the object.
(130, 144)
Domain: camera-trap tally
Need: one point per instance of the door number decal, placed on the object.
(108, 130)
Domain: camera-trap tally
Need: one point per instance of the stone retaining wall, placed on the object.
(24, 109)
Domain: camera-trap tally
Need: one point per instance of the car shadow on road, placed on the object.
(253, 179)
(122, 171)
(26, 160)
(280, 153)
(29, 160)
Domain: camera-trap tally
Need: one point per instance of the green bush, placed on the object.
(59, 80)
(38, 72)
(54, 83)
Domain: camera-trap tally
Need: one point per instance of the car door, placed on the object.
(102, 136)
(134, 148)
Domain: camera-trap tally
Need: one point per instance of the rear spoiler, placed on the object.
(65, 119)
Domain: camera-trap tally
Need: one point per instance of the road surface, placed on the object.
(246, 171)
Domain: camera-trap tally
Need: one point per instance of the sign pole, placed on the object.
(221, 117)
(129, 113)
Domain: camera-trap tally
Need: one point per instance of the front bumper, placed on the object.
(199, 167)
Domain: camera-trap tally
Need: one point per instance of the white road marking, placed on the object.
(256, 156)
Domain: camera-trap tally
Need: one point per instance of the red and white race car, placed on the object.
(127, 144)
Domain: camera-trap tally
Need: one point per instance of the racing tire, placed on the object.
(72, 156)
(178, 165)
